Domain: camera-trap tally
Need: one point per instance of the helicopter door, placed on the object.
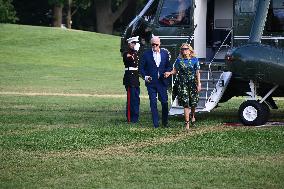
(243, 20)
(223, 22)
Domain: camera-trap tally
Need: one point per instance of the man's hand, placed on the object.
(148, 79)
(130, 56)
(167, 74)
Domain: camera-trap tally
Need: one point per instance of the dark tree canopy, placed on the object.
(7, 12)
(33, 13)
(77, 14)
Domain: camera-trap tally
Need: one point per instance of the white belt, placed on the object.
(131, 68)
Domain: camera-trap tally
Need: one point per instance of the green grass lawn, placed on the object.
(39, 59)
(84, 142)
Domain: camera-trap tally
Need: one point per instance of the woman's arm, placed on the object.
(198, 80)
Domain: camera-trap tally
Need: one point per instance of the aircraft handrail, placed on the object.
(222, 45)
(141, 13)
(190, 36)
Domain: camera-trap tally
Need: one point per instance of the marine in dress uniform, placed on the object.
(131, 80)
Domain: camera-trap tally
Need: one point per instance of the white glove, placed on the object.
(137, 46)
(148, 79)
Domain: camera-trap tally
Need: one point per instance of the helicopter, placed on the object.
(262, 66)
(232, 60)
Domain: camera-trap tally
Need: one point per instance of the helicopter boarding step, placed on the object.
(213, 86)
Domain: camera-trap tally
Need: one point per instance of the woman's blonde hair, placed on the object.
(192, 54)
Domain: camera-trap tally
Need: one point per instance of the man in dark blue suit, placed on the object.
(154, 64)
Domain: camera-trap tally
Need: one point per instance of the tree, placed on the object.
(7, 12)
(75, 4)
(69, 14)
(57, 11)
(105, 16)
(58, 8)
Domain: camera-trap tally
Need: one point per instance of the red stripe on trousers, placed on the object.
(128, 104)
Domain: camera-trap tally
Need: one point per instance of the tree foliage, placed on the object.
(73, 6)
(70, 7)
(104, 16)
(56, 2)
(7, 12)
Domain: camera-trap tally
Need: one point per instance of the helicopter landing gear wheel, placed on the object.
(252, 112)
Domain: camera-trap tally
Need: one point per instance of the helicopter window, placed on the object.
(248, 6)
(275, 17)
(150, 13)
(175, 12)
(142, 26)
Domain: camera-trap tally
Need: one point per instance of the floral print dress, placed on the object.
(186, 81)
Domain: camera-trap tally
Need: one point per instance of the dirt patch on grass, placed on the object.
(130, 149)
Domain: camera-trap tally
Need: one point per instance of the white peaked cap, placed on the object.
(131, 39)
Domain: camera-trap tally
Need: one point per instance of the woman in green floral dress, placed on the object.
(187, 81)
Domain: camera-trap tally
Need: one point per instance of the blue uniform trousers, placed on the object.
(132, 104)
(161, 90)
